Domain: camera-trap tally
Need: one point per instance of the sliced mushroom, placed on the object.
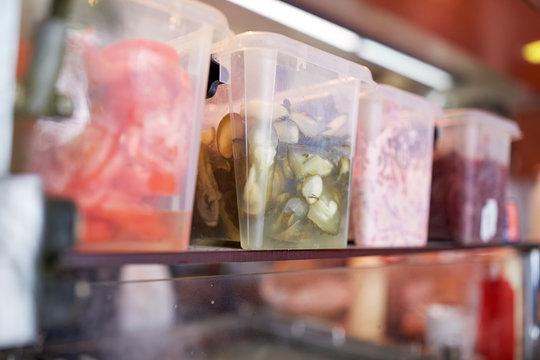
(207, 194)
(225, 180)
(228, 215)
(224, 135)
(208, 136)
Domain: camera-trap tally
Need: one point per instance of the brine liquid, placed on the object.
(262, 232)
(128, 230)
(261, 235)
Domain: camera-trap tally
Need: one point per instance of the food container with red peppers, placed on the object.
(293, 125)
(136, 72)
(392, 168)
(470, 170)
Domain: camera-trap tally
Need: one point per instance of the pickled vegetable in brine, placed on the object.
(293, 175)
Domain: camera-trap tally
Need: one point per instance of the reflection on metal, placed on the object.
(531, 279)
(350, 41)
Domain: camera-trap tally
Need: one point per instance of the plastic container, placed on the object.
(392, 169)
(294, 111)
(136, 72)
(470, 169)
(215, 209)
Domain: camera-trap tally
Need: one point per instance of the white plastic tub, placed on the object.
(470, 169)
(392, 169)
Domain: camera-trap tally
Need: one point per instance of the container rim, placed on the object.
(272, 41)
(200, 12)
(403, 97)
(466, 116)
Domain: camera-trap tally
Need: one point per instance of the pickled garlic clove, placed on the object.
(262, 134)
(307, 125)
(325, 214)
(344, 167)
(316, 165)
(254, 195)
(293, 233)
(296, 206)
(304, 164)
(294, 211)
(312, 188)
(335, 125)
(277, 182)
(287, 171)
(264, 111)
(262, 156)
(287, 131)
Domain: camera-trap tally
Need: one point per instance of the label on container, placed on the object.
(488, 223)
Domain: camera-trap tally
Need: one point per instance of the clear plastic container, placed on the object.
(215, 210)
(470, 169)
(392, 169)
(293, 122)
(136, 72)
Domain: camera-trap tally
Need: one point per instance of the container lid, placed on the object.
(466, 116)
(405, 98)
(200, 12)
(272, 41)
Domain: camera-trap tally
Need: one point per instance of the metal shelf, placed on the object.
(231, 252)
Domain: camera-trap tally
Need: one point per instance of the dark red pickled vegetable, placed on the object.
(465, 193)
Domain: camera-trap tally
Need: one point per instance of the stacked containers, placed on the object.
(470, 169)
(293, 122)
(136, 71)
(392, 169)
